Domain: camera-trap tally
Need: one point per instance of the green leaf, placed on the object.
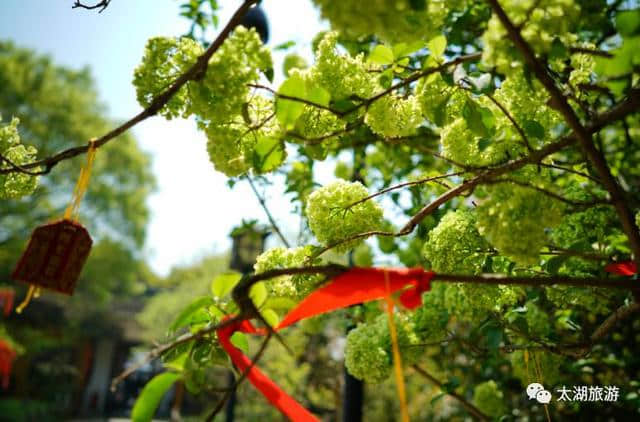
(150, 397)
(381, 55)
(176, 358)
(473, 117)
(488, 119)
(185, 316)
(439, 113)
(494, 336)
(285, 45)
(386, 78)
(451, 384)
(558, 49)
(437, 397)
(282, 303)
(437, 46)
(483, 143)
(258, 294)
(241, 341)
(553, 264)
(418, 4)
(628, 22)
(269, 73)
(271, 317)
(533, 129)
(269, 153)
(403, 49)
(288, 111)
(224, 283)
(319, 95)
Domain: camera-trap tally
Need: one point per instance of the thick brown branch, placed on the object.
(581, 132)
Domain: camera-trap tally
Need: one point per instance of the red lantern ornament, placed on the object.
(7, 355)
(55, 256)
(57, 251)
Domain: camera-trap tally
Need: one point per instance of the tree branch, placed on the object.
(103, 4)
(474, 411)
(194, 73)
(624, 108)
(263, 204)
(164, 348)
(581, 132)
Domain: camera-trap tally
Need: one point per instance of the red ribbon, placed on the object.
(627, 268)
(6, 298)
(357, 285)
(7, 355)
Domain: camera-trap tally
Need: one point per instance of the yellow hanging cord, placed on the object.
(71, 213)
(538, 370)
(33, 291)
(397, 362)
(526, 365)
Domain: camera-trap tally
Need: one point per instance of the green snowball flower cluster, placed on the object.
(489, 399)
(232, 120)
(224, 89)
(462, 145)
(296, 286)
(291, 62)
(548, 20)
(316, 123)
(368, 354)
(430, 320)
(515, 219)
(538, 321)
(391, 20)
(454, 245)
(440, 101)
(596, 302)
(15, 185)
(393, 116)
(231, 144)
(164, 60)
(341, 75)
(526, 100)
(331, 222)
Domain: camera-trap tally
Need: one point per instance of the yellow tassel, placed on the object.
(33, 290)
(397, 362)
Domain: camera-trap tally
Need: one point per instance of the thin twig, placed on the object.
(558, 197)
(243, 375)
(403, 185)
(103, 4)
(474, 411)
(273, 223)
(570, 170)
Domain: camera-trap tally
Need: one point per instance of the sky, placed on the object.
(193, 209)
